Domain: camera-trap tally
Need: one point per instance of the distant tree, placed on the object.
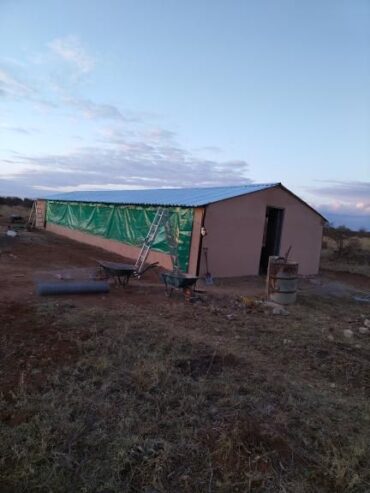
(352, 248)
(27, 202)
(339, 235)
(16, 201)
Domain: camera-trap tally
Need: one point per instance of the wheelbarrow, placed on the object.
(121, 273)
(178, 280)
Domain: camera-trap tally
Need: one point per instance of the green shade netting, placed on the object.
(128, 224)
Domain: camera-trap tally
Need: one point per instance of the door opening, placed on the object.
(271, 236)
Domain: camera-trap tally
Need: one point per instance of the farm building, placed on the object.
(228, 231)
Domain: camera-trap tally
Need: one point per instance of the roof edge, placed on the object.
(68, 198)
(267, 186)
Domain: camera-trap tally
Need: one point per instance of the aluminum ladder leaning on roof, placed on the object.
(149, 240)
(162, 217)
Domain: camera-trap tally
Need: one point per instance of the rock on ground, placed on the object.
(348, 333)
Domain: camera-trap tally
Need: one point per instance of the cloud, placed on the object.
(19, 130)
(126, 155)
(91, 110)
(346, 217)
(12, 188)
(71, 50)
(345, 203)
(56, 84)
(13, 61)
(18, 88)
(208, 149)
(352, 196)
(115, 135)
(12, 87)
(158, 134)
(346, 189)
(15, 88)
(124, 162)
(149, 138)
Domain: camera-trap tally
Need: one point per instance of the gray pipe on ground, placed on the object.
(72, 287)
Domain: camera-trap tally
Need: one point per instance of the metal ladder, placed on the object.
(36, 215)
(162, 217)
(149, 240)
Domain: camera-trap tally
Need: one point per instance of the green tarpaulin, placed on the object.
(128, 224)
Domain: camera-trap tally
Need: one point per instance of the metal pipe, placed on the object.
(72, 287)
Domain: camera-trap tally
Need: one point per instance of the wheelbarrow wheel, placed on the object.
(188, 294)
(169, 292)
(101, 274)
(123, 280)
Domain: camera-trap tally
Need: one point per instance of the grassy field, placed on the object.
(182, 400)
(135, 392)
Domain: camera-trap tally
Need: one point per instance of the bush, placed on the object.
(16, 201)
(352, 248)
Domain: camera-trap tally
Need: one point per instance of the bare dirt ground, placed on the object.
(135, 392)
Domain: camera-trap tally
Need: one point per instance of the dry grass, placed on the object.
(356, 260)
(364, 242)
(177, 398)
(336, 265)
(6, 211)
(133, 392)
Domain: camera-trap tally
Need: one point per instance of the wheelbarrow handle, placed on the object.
(150, 266)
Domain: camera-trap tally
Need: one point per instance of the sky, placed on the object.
(160, 93)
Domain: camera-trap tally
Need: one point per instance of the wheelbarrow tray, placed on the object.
(116, 268)
(179, 281)
(119, 271)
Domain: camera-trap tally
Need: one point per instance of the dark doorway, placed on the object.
(271, 236)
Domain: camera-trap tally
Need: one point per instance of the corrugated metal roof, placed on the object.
(185, 197)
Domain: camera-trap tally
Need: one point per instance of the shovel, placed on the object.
(208, 276)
